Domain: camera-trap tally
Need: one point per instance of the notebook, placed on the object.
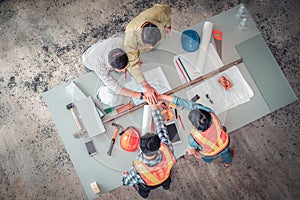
(77, 94)
(89, 116)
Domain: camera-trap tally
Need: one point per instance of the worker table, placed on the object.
(259, 68)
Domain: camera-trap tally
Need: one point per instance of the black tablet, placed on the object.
(173, 133)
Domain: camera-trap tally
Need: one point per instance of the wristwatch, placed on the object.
(141, 95)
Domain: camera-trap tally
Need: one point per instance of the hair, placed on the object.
(149, 144)
(151, 34)
(117, 58)
(200, 119)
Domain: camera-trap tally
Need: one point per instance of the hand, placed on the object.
(194, 152)
(164, 97)
(189, 151)
(150, 97)
(168, 30)
(160, 97)
(140, 62)
(150, 94)
(124, 173)
(154, 107)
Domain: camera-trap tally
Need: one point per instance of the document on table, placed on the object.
(77, 94)
(90, 116)
(212, 93)
(156, 78)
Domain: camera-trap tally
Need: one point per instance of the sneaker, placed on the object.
(166, 187)
(227, 165)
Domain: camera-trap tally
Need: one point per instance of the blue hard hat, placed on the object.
(190, 40)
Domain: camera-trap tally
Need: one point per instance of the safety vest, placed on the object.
(157, 174)
(213, 140)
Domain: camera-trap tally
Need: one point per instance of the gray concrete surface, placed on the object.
(41, 44)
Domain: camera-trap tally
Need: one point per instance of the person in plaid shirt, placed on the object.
(152, 167)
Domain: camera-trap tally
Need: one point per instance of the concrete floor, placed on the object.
(40, 48)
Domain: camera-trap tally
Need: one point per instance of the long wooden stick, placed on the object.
(185, 85)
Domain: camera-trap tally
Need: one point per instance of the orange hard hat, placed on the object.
(130, 139)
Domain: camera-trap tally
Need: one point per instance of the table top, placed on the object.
(106, 170)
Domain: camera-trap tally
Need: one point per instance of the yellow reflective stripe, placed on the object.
(204, 140)
(168, 153)
(220, 142)
(149, 175)
(168, 158)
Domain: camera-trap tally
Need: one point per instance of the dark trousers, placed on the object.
(144, 190)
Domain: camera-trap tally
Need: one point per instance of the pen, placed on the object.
(180, 120)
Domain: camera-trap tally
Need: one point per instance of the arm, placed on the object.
(192, 143)
(184, 103)
(131, 178)
(130, 43)
(130, 93)
(167, 10)
(150, 93)
(133, 53)
(193, 147)
(114, 85)
(160, 13)
(103, 73)
(161, 129)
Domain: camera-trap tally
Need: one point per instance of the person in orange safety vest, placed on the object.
(152, 167)
(208, 139)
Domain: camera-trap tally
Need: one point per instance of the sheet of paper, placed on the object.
(188, 61)
(89, 116)
(77, 94)
(222, 99)
(156, 78)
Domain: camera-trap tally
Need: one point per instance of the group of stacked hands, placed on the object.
(207, 138)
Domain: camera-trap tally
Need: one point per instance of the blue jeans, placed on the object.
(225, 154)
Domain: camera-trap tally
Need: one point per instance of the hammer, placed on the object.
(113, 140)
(71, 108)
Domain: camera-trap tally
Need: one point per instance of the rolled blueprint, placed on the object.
(206, 35)
(147, 120)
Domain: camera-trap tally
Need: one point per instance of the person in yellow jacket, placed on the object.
(142, 34)
(152, 167)
(207, 137)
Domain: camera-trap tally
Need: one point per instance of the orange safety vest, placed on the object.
(213, 140)
(157, 174)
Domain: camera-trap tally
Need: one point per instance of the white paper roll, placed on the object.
(205, 39)
(147, 119)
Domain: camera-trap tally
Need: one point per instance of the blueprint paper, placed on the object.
(155, 77)
(222, 99)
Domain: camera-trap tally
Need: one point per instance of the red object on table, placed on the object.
(223, 80)
(180, 120)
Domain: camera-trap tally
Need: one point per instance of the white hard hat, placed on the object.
(108, 97)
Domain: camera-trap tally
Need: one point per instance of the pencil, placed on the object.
(180, 120)
(187, 74)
